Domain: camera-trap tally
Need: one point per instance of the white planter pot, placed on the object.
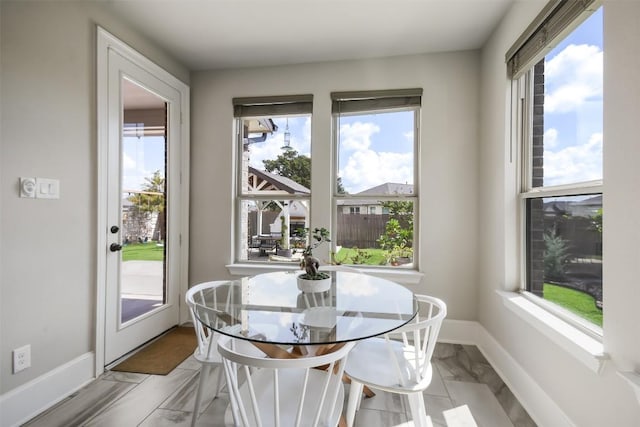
(306, 285)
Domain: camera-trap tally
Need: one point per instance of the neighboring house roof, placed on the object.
(387, 188)
(267, 182)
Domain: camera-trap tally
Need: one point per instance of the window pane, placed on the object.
(276, 155)
(384, 236)
(564, 247)
(376, 153)
(263, 224)
(567, 109)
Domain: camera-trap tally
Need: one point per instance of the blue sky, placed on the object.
(374, 148)
(573, 106)
(141, 157)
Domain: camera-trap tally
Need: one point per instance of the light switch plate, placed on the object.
(47, 188)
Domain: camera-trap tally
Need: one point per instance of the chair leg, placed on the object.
(355, 394)
(204, 373)
(418, 410)
(218, 381)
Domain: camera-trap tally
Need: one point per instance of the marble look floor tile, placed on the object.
(190, 363)
(82, 405)
(214, 414)
(373, 418)
(436, 387)
(459, 417)
(124, 399)
(482, 403)
(128, 377)
(167, 418)
(184, 398)
(142, 400)
(435, 406)
(384, 401)
(516, 412)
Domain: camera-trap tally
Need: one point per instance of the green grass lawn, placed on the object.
(350, 256)
(575, 301)
(142, 252)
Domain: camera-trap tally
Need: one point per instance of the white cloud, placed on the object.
(572, 77)
(357, 136)
(133, 171)
(409, 136)
(363, 167)
(551, 138)
(575, 163)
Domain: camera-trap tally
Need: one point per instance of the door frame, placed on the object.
(105, 43)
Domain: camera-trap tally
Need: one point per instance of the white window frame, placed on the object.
(522, 116)
(365, 103)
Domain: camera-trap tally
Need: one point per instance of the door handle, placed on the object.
(115, 247)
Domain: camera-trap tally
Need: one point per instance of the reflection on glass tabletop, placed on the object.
(269, 308)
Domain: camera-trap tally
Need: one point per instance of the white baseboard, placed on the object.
(542, 409)
(25, 402)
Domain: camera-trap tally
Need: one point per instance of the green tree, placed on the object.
(291, 165)
(556, 255)
(152, 199)
(295, 166)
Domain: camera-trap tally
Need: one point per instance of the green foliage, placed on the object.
(152, 197)
(365, 256)
(596, 221)
(318, 236)
(555, 256)
(291, 165)
(399, 229)
(577, 302)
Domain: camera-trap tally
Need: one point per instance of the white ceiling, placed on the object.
(216, 34)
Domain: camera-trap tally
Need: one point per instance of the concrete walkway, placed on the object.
(142, 280)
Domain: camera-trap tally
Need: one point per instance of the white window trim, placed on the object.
(575, 335)
(580, 345)
(523, 91)
(404, 276)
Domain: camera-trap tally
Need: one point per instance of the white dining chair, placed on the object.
(283, 391)
(398, 366)
(205, 295)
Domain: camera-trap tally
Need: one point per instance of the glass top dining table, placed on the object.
(269, 308)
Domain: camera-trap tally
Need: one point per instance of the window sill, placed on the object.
(399, 275)
(586, 349)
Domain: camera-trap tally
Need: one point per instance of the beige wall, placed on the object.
(48, 129)
(587, 398)
(449, 149)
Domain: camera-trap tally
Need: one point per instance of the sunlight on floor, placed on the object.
(459, 417)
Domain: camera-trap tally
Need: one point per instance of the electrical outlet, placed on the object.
(21, 358)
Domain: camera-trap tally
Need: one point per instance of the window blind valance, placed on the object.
(555, 20)
(359, 101)
(272, 105)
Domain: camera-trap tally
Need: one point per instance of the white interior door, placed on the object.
(142, 265)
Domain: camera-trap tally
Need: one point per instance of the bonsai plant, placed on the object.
(310, 263)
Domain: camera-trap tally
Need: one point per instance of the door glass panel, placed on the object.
(143, 174)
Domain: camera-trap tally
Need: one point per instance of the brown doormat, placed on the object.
(162, 355)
